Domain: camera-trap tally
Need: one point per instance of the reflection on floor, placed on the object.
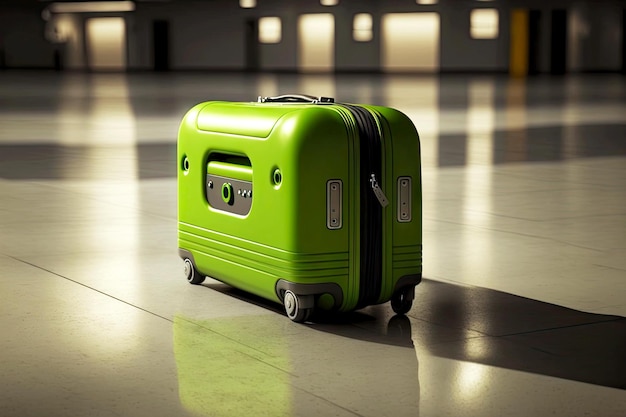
(521, 312)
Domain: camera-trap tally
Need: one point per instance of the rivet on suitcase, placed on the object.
(303, 201)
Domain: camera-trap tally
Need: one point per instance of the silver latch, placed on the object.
(404, 199)
(334, 204)
(378, 192)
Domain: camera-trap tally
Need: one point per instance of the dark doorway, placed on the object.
(161, 44)
(534, 42)
(252, 45)
(558, 42)
(624, 41)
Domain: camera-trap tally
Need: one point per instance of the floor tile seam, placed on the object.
(459, 198)
(557, 187)
(484, 335)
(89, 196)
(566, 158)
(613, 268)
(143, 250)
(419, 344)
(509, 232)
(519, 170)
(77, 223)
(60, 185)
(538, 221)
(90, 288)
(569, 162)
(587, 167)
(549, 239)
(505, 337)
(456, 339)
(502, 126)
(557, 328)
(609, 319)
(152, 313)
(238, 343)
(326, 400)
(552, 219)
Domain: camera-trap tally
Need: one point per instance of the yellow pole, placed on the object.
(518, 64)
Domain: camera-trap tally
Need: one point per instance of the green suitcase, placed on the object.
(303, 201)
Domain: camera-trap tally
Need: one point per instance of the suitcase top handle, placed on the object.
(296, 98)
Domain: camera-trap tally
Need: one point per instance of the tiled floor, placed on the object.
(521, 312)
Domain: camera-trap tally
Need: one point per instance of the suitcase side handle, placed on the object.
(296, 98)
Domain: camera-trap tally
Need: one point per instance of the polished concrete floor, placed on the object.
(521, 312)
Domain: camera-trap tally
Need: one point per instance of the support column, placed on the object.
(518, 62)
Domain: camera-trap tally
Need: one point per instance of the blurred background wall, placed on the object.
(430, 36)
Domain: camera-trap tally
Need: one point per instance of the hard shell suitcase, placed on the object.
(303, 201)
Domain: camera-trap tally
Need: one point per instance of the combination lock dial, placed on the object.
(227, 193)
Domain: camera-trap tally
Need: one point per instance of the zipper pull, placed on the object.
(378, 192)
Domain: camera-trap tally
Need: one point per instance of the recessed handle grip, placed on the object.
(296, 98)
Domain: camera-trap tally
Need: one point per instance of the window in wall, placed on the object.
(329, 2)
(247, 4)
(106, 43)
(270, 30)
(362, 27)
(410, 42)
(316, 42)
(484, 23)
(427, 1)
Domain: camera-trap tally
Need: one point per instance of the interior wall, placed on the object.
(195, 27)
(460, 52)
(71, 29)
(594, 38)
(22, 39)
(203, 35)
(210, 35)
(351, 55)
(280, 56)
(594, 28)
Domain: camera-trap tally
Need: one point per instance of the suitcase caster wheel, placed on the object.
(192, 274)
(293, 309)
(402, 301)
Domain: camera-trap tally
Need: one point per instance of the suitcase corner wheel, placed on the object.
(192, 274)
(402, 300)
(298, 308)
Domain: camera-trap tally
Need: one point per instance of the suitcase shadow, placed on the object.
(512, 332)
(376, 324)
(244, 296)
(503, 330)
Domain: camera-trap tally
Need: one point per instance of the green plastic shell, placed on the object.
(289, 152)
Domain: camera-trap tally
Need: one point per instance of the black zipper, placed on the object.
(371, 224)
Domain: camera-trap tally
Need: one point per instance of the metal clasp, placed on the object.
(378, 192)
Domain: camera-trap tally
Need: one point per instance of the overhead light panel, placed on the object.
(247, 4)
(93, 7)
